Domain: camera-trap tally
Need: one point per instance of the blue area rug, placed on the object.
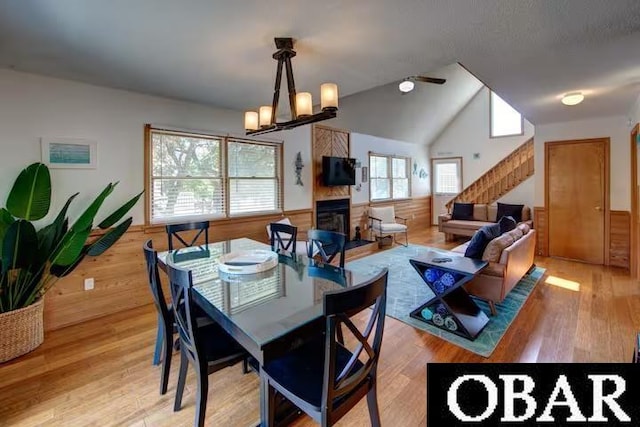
(406, 291)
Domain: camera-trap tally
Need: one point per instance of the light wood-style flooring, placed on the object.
(100, 373)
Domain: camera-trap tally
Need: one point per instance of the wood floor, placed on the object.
(100, 373)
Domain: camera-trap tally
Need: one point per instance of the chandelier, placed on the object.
(264, 121)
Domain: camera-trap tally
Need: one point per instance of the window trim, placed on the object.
(224, 138)
(491, 136)
(390, 158)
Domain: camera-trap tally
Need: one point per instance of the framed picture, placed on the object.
(365, 174)
(69, 153)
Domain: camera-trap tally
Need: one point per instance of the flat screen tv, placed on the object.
(338, 171)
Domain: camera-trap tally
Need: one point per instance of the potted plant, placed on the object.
(32, 260)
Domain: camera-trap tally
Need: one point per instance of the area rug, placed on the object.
(406, 291)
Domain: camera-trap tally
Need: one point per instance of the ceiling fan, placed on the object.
(407, 84)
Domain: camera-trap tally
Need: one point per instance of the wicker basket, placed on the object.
(21, 331)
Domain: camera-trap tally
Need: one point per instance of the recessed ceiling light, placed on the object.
(406, 86)
(573, 98)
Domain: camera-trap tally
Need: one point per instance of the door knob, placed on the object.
(598, 208)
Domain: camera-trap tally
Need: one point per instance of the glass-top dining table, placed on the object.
(268, 313)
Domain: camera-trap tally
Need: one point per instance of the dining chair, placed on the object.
(207, 349)
(173, 230)
(323, 377)
(164, 333)
(283, 236)
(327, 244)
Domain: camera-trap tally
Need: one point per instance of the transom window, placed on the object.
(389, 177)
(207, 177)
(505, 120)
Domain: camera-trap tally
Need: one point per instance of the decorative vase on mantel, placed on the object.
(31, 261)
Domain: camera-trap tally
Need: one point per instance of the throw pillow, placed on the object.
(481, 239)
(462, 211)
(507, 223)
(477, 245)
(505, 209)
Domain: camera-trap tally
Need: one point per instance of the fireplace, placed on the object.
(333, 215)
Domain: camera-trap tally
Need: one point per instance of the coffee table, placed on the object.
(451, 309)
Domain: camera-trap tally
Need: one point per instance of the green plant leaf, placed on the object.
(62, 271)
(49, 236)
(71, 247)
(18, 245)
(118, 214)
(85, 220)
(109, 238)
(5, 221)
(30, 196)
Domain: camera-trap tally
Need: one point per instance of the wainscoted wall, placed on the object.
(120, 279)
(540, 224)
(619, 243)
(619, 231)
(417, 211)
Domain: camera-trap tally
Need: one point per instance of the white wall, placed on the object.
(33, 106)
(616, 128)
(416, 117)
(361, 145)
(468, 134)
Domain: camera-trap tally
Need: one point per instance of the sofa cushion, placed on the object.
(390, 227)
(516, 233)
(462, 211)
(524, 227)
(495, 247)
(467, 225)
(507, 223)
(492, 212)
(505, 209)
(480, 212)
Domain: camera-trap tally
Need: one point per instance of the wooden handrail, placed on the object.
(507, 174)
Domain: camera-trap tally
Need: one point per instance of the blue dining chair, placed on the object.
(328, 245)
(283, 237)
(207, 349)
(174, 230)
(324, 378)
(164, 333)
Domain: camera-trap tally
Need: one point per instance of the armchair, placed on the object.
(383, 222)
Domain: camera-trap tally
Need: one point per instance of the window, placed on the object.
(446, 174)
(505, 121)
(202, 176)
(389, 177)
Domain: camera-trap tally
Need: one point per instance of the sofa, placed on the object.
(510, 256)
(482, 215)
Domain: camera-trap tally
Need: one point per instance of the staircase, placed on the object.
(500, 179)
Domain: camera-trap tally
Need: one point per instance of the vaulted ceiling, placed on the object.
(219, 52)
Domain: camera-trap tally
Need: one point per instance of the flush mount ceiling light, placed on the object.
(573, 98)
(264, 121)
(406, 86)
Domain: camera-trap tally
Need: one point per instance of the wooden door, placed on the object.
(577, 198)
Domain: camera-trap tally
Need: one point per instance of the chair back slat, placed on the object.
(280, 233)
(173, 230)
(323, 239)
(153, 276)
(339, 307)
(181, 284)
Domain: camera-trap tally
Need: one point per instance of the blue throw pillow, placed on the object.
(462, 211)
(477, 245)
(505, 209)
(506, 223)
(481, 239)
